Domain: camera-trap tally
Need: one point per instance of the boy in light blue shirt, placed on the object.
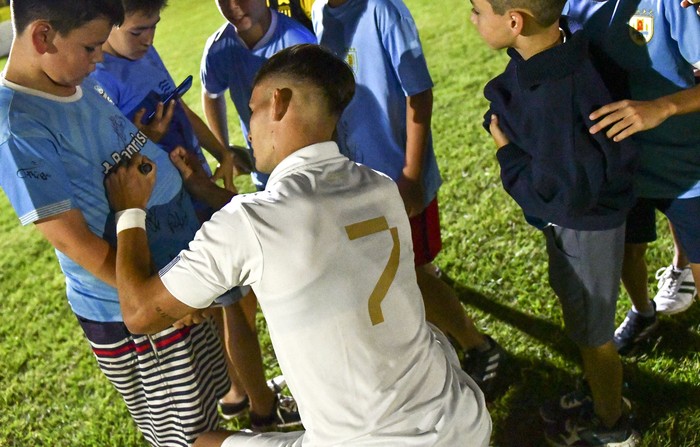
(59, 138)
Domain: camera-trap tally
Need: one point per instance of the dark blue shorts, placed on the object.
(684, 214)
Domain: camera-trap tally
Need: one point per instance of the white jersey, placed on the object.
(327, 249)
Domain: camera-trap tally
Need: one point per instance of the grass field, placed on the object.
(52, 394)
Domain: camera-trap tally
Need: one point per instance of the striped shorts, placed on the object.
(170, 381)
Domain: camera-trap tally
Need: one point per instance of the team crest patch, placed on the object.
(351, 59)
(642, 28)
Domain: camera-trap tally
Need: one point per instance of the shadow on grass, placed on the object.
(527, 382)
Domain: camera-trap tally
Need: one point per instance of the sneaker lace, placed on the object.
(627, 327)
(668, 280)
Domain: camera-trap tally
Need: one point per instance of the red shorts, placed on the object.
(425, 230)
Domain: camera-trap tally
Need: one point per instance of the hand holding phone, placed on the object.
(175, 94)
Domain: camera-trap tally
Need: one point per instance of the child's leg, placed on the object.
(442, 306)
(603, 371)
(584, 271)
(683, 215)
(640, 230)
(244, 350)
(634, 276)
(444, 310)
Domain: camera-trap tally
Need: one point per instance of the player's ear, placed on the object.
(43, 35)
(281, 98)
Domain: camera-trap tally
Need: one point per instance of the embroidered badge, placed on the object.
(642, 25)
(351, 59)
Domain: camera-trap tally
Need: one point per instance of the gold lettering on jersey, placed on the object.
(367, 228)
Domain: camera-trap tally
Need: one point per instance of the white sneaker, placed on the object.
(676, 290)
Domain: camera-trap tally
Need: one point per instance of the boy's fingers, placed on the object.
(138, 116)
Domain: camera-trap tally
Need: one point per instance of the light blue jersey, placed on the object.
(54, 155)
(657, 43)
(136, 84)
(228, 64)
(379, 40)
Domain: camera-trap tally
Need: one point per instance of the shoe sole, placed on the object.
(677, 310)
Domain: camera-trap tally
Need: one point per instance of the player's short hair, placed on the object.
(147, 7)
(545, 12)
(64, 15)
(315, 65)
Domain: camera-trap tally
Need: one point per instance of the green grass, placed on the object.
(52, 394)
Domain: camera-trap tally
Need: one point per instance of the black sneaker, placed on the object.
(588, 431)
(284, 415)
(575, 404)
(483, 366)
(567, 406)
(230, 411)
(634, 330)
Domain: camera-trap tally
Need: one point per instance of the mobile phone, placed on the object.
(178, 92)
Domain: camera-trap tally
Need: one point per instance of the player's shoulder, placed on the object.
(226, 33)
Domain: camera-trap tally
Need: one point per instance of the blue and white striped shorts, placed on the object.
(170, 381)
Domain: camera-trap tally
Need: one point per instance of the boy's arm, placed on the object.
(629, 117)
(227, 168)
(68, 232)
(419, 109)
(215, 113)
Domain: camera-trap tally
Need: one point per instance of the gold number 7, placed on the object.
(366, 228)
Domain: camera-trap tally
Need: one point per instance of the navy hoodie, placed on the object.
(553, 167)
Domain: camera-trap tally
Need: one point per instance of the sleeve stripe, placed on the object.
(170, 265)
(46, 211)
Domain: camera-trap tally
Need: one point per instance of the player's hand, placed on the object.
(496, 133)
(189, 166)
(625, 118)
(191, 319)
(412, 194)
(226, 171)
(158, 126)
(129, 183)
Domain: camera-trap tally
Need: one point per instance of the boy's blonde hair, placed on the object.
(545, 12)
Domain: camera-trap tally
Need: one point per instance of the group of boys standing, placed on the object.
(574, 185)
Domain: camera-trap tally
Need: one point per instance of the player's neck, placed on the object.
(530, 45)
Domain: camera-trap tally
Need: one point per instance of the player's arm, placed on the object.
(69, 233)
(227, 168)
(146, 305)
(628, 117)
(419, 110)
(196, 181)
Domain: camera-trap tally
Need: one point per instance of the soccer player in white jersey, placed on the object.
(327, 249)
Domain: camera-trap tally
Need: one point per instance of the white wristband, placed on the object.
(130, 218)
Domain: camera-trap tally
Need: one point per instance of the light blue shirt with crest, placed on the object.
(657, 44)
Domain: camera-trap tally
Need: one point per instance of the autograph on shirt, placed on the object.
(33, 172)
(131, 147)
